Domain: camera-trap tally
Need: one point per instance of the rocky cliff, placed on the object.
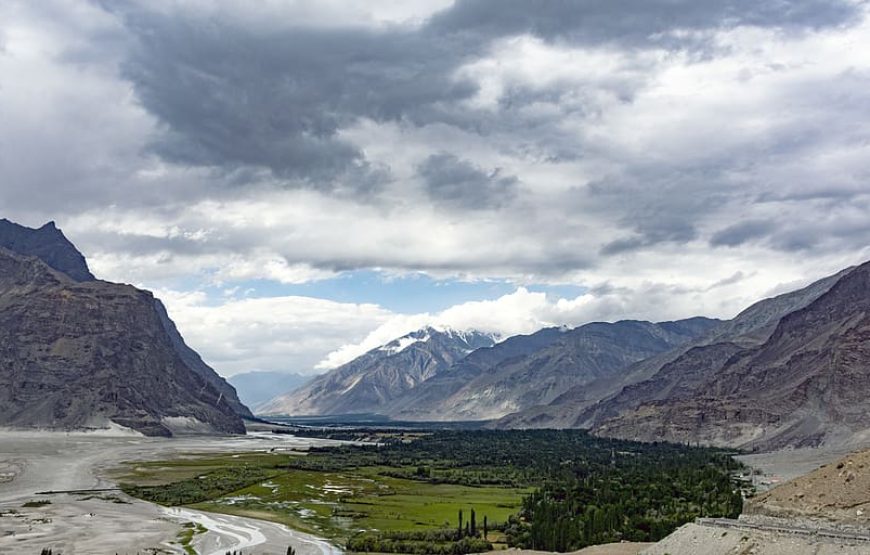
(76, 352)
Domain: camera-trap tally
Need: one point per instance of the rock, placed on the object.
(76, 352)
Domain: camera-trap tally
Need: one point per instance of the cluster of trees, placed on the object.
(589, 490)
(202, 488)
(381, 542)
(466, 538)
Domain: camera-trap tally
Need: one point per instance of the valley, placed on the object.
(108, 522)
(447, 491)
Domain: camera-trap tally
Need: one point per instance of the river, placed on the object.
(95, 524)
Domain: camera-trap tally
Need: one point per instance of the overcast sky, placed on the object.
(303, 180)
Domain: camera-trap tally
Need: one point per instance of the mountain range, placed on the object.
(77, 352)
(447, 375)
(803, 384)
(788, 371)
(372, 381)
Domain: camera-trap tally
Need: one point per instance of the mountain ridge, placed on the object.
(802, 386)
(372, 380)
(81, 353)
(651, 378)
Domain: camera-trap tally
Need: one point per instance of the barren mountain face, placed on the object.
(84, 353)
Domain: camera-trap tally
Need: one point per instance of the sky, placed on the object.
(303, 180)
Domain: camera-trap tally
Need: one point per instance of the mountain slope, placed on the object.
(657, 377)
(84, 353)
(427, 401)
(593, 356)
(370, 382)
(805, 385)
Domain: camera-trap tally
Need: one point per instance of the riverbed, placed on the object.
(108, 522)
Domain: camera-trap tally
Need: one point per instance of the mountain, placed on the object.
(427, 401)
(670, 372)
(255, 388)
(76, 352)
(372, 381)
(48, 244)
(592, 356)
(803, 384)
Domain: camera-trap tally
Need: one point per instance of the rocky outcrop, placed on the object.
(82, 353)
(48, 244)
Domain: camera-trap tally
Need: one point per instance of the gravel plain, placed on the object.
(109, 522)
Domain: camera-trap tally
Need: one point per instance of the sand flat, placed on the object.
(97, 524)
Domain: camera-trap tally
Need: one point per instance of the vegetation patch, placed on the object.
(189, 531)
(543, 489)
(38, 503)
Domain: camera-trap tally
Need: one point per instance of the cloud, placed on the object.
(739, 233)
(454, 181)
(646, 150)
(620, 22)
(283, 334)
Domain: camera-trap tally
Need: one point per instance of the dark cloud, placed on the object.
(659, 204)
(741, 232)
(631, 23)
(457, 182)
(232, 94)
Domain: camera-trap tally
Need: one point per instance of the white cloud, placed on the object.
(283, 334)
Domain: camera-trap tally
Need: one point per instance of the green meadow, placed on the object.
(334, 505)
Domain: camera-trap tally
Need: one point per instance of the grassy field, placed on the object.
(330, 504)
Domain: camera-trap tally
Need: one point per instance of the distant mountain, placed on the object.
(369, 383)
(679, 368)
(805, 384)
(405, 381)
(255, 388)
(76, 352)
(592, 356)
(427, 401)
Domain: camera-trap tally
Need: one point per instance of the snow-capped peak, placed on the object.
(469, 337)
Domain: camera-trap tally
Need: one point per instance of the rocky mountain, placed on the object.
(592, 356)
(804, 384)
(48, 244)
(255, 388)
(678, 369)
(369, 383)
(482, 383)
(427, 401)
(76, 352)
